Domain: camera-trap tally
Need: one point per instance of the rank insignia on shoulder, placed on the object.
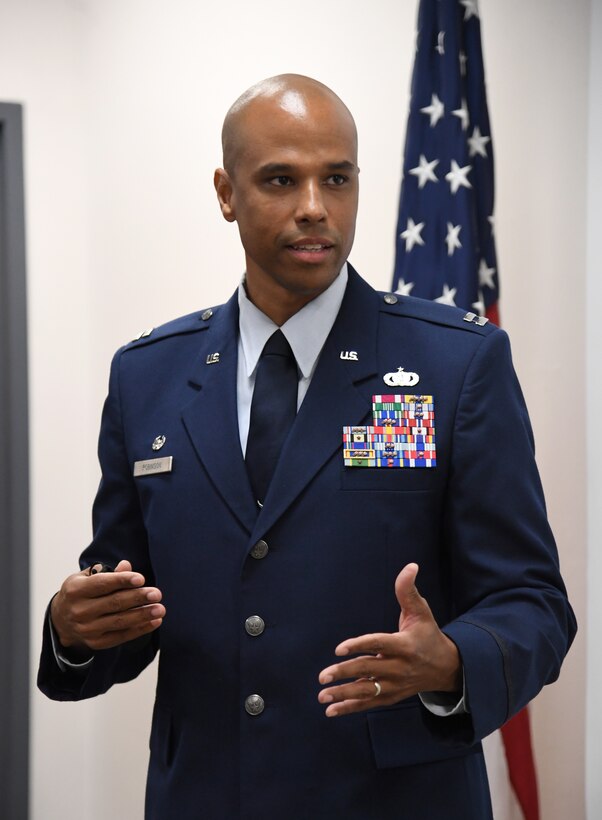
(402, 434)
(144, 334)
(475, 319)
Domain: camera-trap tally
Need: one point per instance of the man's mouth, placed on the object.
(310, 248)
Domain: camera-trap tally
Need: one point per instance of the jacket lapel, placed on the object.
(211, 418)
(340, 394)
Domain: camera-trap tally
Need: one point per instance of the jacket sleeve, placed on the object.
(514, 624)
(118, 533)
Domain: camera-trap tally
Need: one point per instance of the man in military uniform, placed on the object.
(275, 470)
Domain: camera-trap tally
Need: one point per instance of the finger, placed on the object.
(364, 667)
(116, 602)
(378, 643)
(348, 707)
(131, 618)
(413, 606)
(361, 689)
(96, 633)
(102, 583)
(109, 640)
(123, 566)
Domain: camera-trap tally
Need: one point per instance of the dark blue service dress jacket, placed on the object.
(318, 563)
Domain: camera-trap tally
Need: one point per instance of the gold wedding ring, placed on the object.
(377, 685)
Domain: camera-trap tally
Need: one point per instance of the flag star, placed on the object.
(440, 47)
(447, 297)
(425, 171)
(491, 220)
(462, 113)
(472, 8)
(463, 59)
(479, 306)
(478, 142)
(412, 234)
(486, 275)
(404, 288)
(436, 110)
(453, 238)
(457, 176)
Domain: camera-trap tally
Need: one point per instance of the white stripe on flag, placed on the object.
(503, 799)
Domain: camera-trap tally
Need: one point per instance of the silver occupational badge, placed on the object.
(158, 442)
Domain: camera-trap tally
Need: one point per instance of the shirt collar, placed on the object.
(306, 331)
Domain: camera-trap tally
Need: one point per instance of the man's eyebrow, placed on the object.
(276, 168)
(344, 165)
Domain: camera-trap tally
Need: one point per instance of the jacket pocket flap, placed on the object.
(407, 735)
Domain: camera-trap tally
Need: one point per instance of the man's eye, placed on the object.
(337, 179)
(281, 181)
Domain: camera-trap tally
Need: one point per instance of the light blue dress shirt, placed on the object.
(306, 331)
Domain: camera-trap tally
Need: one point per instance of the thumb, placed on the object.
(123, 566)
(411, 603)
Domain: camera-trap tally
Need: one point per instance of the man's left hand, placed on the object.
(418, 658)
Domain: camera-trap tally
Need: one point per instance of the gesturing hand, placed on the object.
(418, 658)
(104, 610)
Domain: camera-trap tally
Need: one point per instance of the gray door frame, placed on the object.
(14, 475)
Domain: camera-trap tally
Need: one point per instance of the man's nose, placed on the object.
(311, 206)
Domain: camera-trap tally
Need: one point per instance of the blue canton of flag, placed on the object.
(445, 244)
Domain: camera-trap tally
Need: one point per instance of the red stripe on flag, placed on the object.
(516, 735)
(493, 313)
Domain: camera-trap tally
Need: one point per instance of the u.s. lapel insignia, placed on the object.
(402, 434)
(349, 355)
(212, 358)
(401, 378)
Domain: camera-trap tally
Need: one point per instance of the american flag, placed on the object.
(445, 251)
(445, 229)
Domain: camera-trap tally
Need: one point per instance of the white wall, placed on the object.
(124, 101)
(594, 426)
(537, 59)
(40, 66)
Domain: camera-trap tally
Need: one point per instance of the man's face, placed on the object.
(293, 190)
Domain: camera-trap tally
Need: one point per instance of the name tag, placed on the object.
(152, 466)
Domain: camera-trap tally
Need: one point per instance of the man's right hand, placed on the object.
(106, 609)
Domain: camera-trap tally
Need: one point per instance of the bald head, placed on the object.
(293, 95)
(291, 182)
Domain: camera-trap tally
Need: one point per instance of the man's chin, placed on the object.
(309, 280)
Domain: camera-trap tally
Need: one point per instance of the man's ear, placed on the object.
(223, 188)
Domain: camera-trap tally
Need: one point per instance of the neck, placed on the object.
(278, 305)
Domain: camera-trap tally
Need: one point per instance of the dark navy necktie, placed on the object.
(273, 410)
